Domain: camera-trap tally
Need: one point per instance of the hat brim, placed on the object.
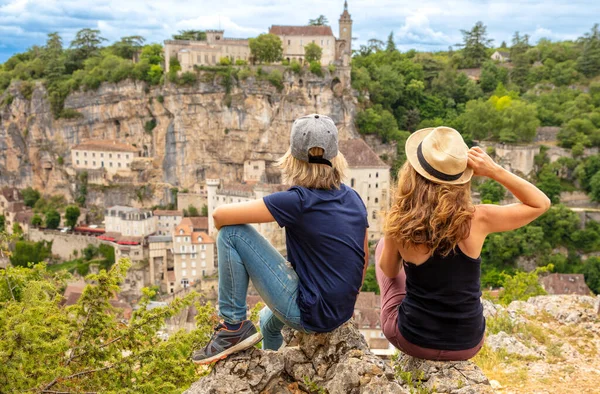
(412, 143)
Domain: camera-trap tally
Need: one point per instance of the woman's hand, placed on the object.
(481, 163)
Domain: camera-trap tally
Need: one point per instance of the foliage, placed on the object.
(87, 346)
(522, 285)
(204, 211)
(191, 35)
(276, 79)
(475, 44)
(491, 192)
(150, 125)
(30, 196)
(191, 211)
(589, 61)
(321, 20)
(296, 67)
(30, 252)
(370, 283)
(2, 223)
(16, 229)
(313, 52)
(266, 48)
(52, 219)
(36, 220)
(549, 183)
(591, 272)
(225, 61)
(71, 215)
(315, 68)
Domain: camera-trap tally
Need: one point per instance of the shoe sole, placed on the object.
(245, 344)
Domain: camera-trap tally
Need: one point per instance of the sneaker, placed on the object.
(225, 342)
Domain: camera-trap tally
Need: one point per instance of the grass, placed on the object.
(491, 363)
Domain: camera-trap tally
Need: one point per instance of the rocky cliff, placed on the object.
(201, 129)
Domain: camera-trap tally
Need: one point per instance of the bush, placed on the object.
(331, 68)
(70, 113)
(160, 99)
(315, 68)
(26, 89)
(245, 73)
(276, 79)
(522, 285)
(150, 125)
(241, 62)
(60, 160)
(188, 78)
(225, 61)
(52, 219)
(296, 67)
(30, 196)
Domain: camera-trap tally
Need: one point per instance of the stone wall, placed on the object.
(63, 244)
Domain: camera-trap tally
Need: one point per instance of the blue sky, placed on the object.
(422, 24)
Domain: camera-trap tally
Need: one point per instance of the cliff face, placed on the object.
(200, 130)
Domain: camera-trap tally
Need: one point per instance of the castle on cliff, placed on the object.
(293, 38)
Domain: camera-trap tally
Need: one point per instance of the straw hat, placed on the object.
(440, 155)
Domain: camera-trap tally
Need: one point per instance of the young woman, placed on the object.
(325, 222)
(428, 264)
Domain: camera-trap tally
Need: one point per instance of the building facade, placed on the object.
(370, 177)
(295, 38)
(193, 253)
(166, 221)
(206, 53)
(129, 221)
(108, 155)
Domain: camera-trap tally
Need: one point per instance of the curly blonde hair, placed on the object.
(312, 175)
(426, 213)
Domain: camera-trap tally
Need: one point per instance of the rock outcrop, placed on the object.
(199, 130)
(336, 363)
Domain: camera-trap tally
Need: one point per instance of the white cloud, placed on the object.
(417, 30)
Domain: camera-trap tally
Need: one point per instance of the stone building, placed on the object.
(565, 284)
(161, 263)
(370, 177)
(293, 38)
(104, 155)
(366, 315)
(129, 221)
(11, 207)
(501, 56)
(166, 221)
(206, 53)
(193, 252)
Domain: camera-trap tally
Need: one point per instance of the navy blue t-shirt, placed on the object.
(325, 236)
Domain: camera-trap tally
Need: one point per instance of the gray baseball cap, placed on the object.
(312, 131)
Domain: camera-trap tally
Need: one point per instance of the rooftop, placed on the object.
(565, 284)
(105, 146)
(159, 212)
(359, 154)
(301, 30)
(11, 194)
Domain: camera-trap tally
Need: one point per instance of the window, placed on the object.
(183, 273)
(256, 167)
(193, 272)
(313, 41)
(369, 175)
(206, 59)
(101, 154)
(352, 182)
(182, 248)
(374, 216)
(300, 42)
(321, 42)
(77, 161)
(127, 156)
(214, 59)
(86, 162)
(328, 42)
(180, 232)
(203, 263)
(376, 185)
(110, 155)
(93, 154)
(376, 175)
(199, 59)
(199, 239)
(76, 153)
(119, 164)
(183, 264)
(118, 155)
(202, 255)
(193, 264)
(376, 199)
(94, 163)
(187, 239)
(85, 154)
(110, 164)
(203, 247)
(289, 42)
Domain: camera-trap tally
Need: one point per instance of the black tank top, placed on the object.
(442, 308)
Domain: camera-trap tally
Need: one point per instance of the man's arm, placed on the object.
(242, 213)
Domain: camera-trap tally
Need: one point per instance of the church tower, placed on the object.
(346, 29)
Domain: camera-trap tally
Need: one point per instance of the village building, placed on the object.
(103, 155)
(11, 205)
(366, 315)
(193, 253)
(370, 177)
(166, 220)
(161, 262)
(501, 56)
(208, 52)
(294, 39)
(565, 284)
(127, 228)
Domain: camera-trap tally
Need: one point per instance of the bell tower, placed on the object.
(346, 29)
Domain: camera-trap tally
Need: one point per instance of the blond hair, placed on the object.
(313, 175)
(427, 213)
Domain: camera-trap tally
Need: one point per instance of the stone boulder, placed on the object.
(449, 377)
(338, 362)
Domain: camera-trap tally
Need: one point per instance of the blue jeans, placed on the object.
(245, 254)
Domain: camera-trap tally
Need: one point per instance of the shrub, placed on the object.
(331, 68)
(522, 285)
(315, 68)
(160, 99)
(26, 89)
(241, 62)
(60, 160)
(188, 78)
(150, 125)
(276, 79)
(296, 67)
(70, 113)
(245, 73)
(225, 61)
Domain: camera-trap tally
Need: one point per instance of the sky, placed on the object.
(424, 25)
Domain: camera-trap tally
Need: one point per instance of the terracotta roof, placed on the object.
(301, 30)
(368, 299)
(367, 318)
(159, 212)
(24, 217)
(105, 146)
(11, 194)
(359, 154)
(200, 223)
(188, 226)
(565, 284)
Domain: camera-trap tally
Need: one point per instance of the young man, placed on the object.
(315, 289)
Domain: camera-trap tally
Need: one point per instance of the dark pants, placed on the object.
(393, 291)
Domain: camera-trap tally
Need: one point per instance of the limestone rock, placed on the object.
(511, 345)
(569, 309)
(452, 377)
(338, 363)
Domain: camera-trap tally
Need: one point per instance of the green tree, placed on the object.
(153, 54)
(266, 48)
(558, 224)
(595, 187)
(591, 273)
(86, 44)
(191, 35)
(30, 196)
(475, 44)
(589, 61)
(320, 21)
(370, 283)
(52, 219)
(313, 52)
(128, 46)
(89, 252)
(30, 252)
(86, 347)
(522, 285)
(71, 215)
(2, 223)
(204, 211)
(491, 191)
(36, 220)
(192, 211)
(16, 229)
(391, 45)
(491, 76)
(549, 183)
